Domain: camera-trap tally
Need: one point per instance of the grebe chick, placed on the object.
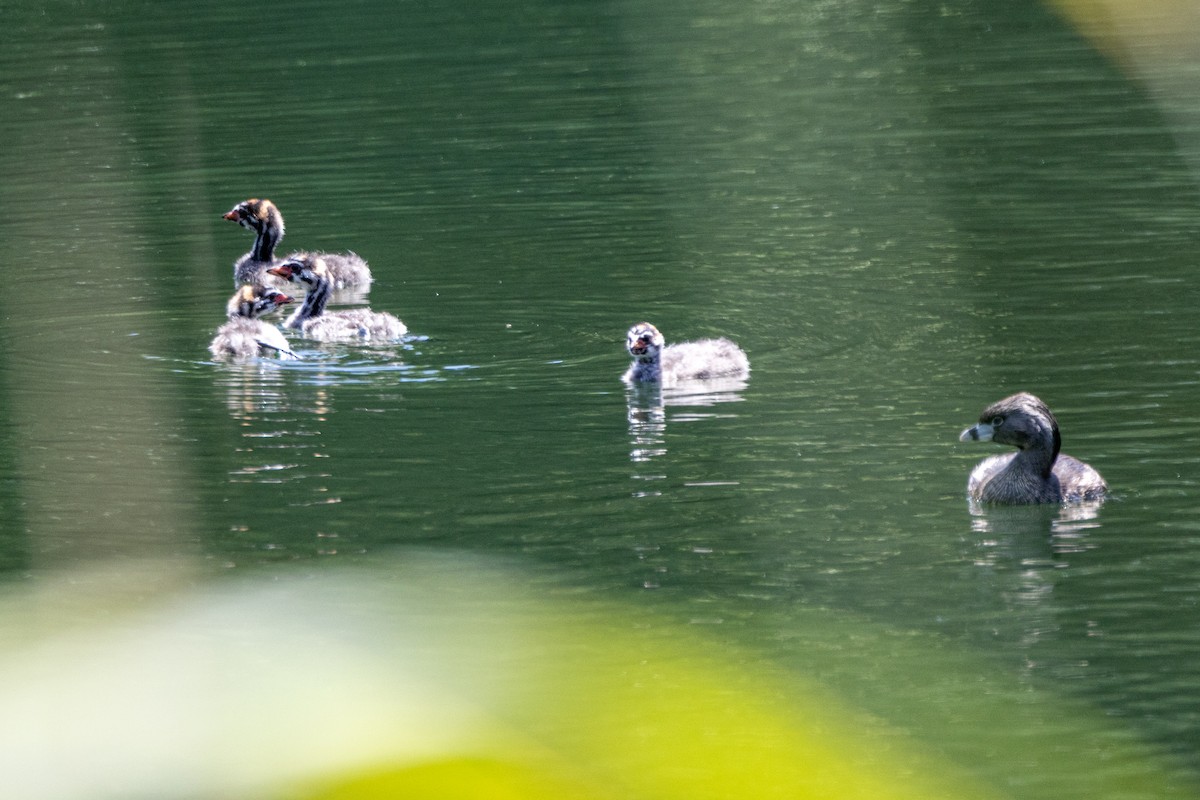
(263, 217)
(704, 359)
(354, 324)
(245, 336)
(1037, 472)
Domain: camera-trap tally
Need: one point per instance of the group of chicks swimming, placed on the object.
(258, 275)
(1037, 473)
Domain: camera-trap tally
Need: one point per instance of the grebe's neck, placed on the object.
(265, 242)
(1039, 459)
(319, 290)
(647, 367)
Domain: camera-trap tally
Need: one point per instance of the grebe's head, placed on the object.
(254, 301)
(257, 215)
(644, 342)
(1021, 420)
(302, 269)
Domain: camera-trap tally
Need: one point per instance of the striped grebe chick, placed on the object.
(311, 318)
(245, 336)
(654, 361)
(263, 217)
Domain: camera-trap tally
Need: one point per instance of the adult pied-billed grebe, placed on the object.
(245, 336)
(263, 217)
(355, 324)
(1037, 472)
(704, 359)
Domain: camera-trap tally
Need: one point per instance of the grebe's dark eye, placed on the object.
(997, 422)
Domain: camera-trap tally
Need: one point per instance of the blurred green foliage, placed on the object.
(449, 677)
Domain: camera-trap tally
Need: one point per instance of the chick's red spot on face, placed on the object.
(230, 215)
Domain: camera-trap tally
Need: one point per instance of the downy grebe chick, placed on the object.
(704, 359)
(245, 336)
(1037, 472)
(354, 324)
(263, 217)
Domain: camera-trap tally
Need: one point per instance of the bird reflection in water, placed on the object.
(646, 407)
(1022, 555)
(280, 419)
(253, 391)
(1065, 527)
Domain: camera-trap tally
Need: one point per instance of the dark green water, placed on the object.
(901, 213)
